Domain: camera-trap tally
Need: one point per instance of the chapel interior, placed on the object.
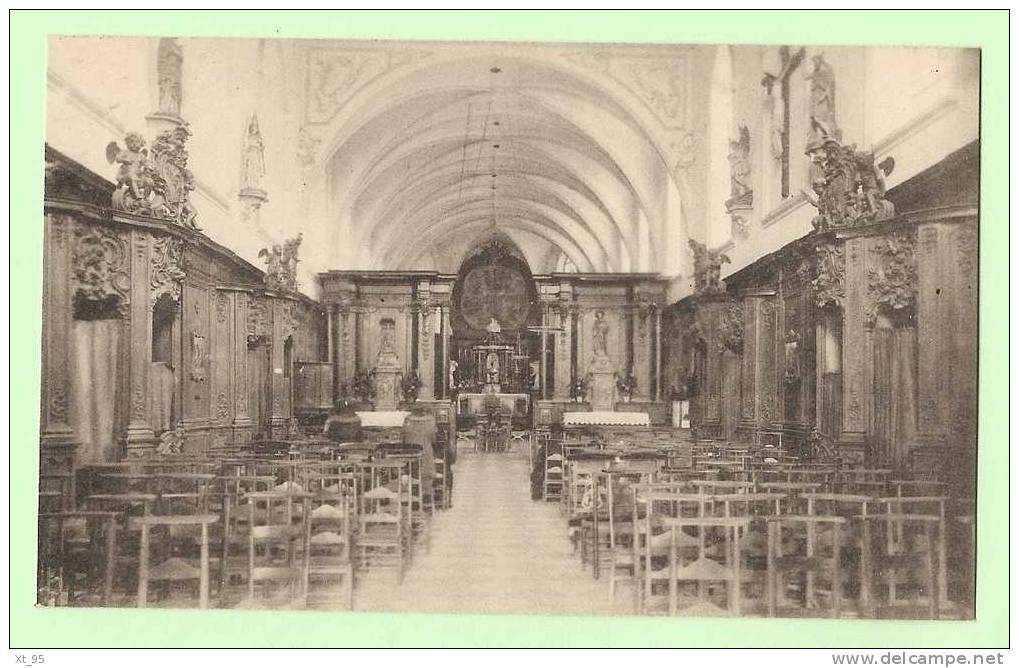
(509, 328)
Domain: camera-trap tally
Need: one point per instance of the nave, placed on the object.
(495, 551)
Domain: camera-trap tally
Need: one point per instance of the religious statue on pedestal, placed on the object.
(822, 103)
(741, 192)
(169, 65)
(253, 170)
(600, 336)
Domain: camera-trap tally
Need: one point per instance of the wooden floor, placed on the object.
(495, 551)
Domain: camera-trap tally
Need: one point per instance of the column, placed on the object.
(242, 416)
(658, 356)
(140, 437)
(331, 351)
(55, 414)
(854, 350)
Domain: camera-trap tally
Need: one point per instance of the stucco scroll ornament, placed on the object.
(167, 272)
(892, 280)
(707, 269)
(829, 284)
(101, 280)
(730, 328)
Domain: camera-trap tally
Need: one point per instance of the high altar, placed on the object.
(495, 327)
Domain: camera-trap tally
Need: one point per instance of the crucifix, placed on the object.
(790, 61)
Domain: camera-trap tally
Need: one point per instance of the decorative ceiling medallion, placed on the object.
(660, 82)
(336, 75)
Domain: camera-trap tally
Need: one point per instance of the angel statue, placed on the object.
(273, 264)
(133, 185)
(289, 259)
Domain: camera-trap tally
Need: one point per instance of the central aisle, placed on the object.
(494, 551)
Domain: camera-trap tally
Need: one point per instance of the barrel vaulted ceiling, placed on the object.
(581, 155)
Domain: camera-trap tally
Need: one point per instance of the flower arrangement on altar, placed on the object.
(410, 384)
(362, 385)
(626, 385)
(578, 388)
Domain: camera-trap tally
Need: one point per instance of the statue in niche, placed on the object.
(253, 171)
(707, 269)
(387, 344)
(600, 335)
(169, 67)
(822, 102)
(741, 194)
(492, 368)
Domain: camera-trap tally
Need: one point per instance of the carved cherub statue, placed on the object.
(273, 262)
(132, 162)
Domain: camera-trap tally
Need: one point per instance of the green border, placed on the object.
(32, 627)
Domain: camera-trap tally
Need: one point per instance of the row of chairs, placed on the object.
(868, 542)
(293, 524)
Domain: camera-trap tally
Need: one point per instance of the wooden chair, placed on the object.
(329, 544)
(277, 553)
(900, 544)
(816, 570)
(174, 568)
(383, 539)
(924, 505)
(553, 479)
(232, 492)
(77, 556)
(620, 485)
(706, 573)
(652, 542)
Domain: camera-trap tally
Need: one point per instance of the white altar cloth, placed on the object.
(382, 418)
(608, 418)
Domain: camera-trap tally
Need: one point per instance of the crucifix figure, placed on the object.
(780, 114)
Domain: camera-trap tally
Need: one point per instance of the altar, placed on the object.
(472, 404)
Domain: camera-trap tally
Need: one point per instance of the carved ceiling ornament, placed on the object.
(155, 181)
(101, 276)
(167, 273)
(829, 283)
(707, 269)
(892, 278)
